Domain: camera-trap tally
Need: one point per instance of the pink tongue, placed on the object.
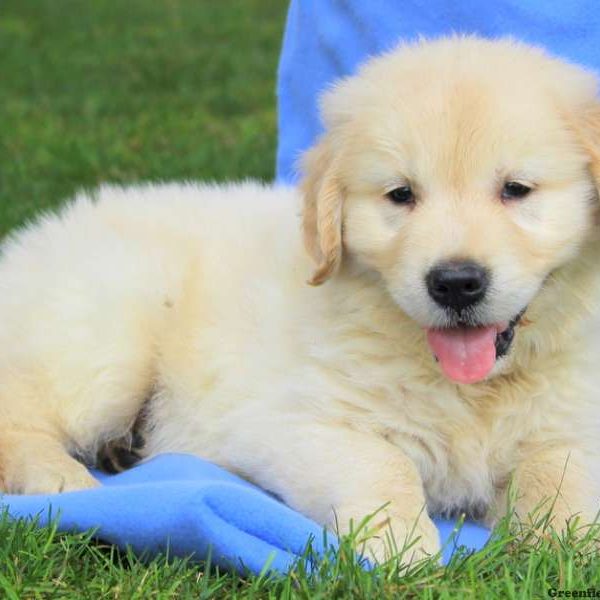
(466, 355)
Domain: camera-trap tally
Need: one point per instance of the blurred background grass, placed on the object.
(104, 90)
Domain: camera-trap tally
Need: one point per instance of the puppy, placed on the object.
(451, 207)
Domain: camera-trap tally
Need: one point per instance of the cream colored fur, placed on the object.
(196, 296)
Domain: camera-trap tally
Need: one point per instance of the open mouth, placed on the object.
(467, 354)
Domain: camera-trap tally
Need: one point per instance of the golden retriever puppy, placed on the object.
(452, 205)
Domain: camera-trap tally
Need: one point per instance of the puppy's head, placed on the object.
(462, 172)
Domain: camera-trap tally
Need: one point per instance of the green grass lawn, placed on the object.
(102, 90)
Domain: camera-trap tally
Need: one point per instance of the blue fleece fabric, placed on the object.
(190, 507)
(327, 39)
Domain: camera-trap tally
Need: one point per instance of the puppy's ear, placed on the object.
(588, 130)
(322, 213)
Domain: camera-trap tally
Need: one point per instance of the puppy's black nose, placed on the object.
(457, 285)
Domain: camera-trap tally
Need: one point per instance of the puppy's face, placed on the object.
(455, 170)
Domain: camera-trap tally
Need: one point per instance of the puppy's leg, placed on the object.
(66, 403)
(84, 298)
(337, 475)
(556, 481)
(64, 397)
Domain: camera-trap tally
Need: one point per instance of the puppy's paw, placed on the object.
(410, 538)
(544, 524)
(45, 478)
(60, 482)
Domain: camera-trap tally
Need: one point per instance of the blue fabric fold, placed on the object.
(190, 507)
(326, 39)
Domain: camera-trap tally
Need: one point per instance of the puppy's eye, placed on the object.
(402, 195)
(513, 190)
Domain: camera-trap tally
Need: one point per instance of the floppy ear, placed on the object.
(322, 213)
(588, 130)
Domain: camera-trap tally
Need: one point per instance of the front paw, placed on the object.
(50, 478)
(410, 538)
(551, 517)
(532, 520)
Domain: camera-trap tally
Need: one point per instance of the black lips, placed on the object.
(504, 339)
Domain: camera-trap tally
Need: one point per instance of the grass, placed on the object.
(171, 89)
(41, 563)
(136, 90)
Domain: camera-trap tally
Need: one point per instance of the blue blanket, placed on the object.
(327, 39)
(188, 506)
